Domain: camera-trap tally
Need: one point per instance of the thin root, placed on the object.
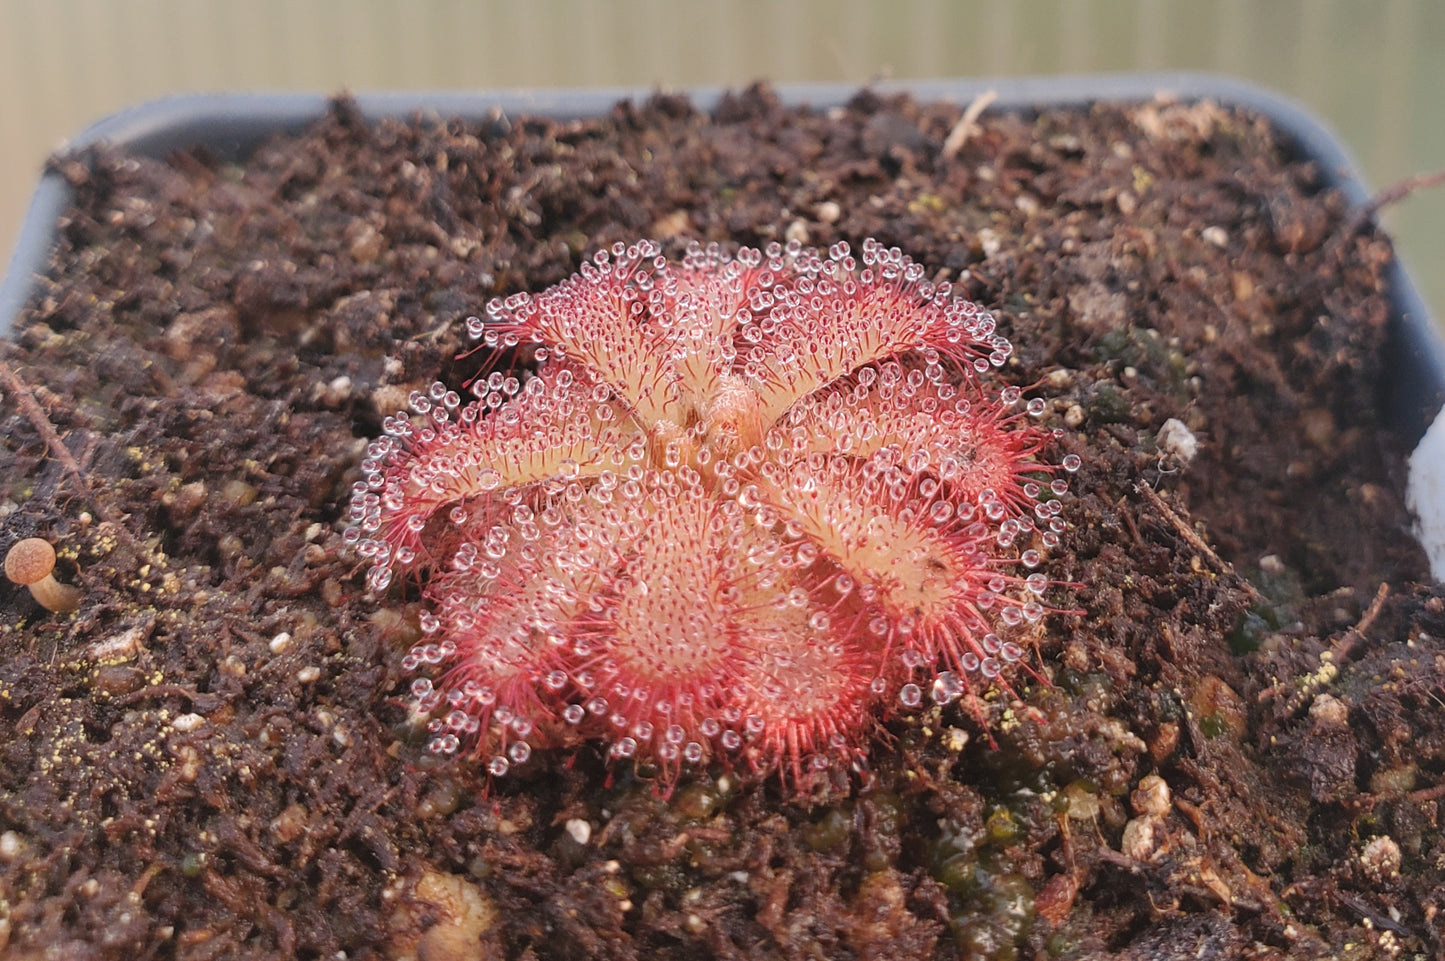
(1391, 194)
(967, 124)
(30, 407)
(1330, 660)
(1192, 538)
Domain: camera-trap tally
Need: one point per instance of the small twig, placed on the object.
(967, 124)
(1110, 856)
(1331, 660)
(30, 407)
(1392, 194)
(1192, 538)
(1428, 794)
(1346, 644)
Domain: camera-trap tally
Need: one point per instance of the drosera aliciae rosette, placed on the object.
(742, 507)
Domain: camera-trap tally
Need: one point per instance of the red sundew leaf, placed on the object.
(601, 319)
(826, 321)
(929, 564)
(745, 509)
(808, 689)
(998, 457)
(555, 427)
(662, 633)
(493, 698)
(934, 427)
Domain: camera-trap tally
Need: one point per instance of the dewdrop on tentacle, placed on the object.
(738, 508)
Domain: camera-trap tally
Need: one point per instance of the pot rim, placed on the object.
(230, 125)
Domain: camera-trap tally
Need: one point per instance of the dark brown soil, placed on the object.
(210, 758)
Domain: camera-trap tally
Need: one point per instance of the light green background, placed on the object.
(1375, 71)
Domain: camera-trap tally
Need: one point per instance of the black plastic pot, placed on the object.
(230, 125)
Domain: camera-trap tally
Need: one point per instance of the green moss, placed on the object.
(1212, 726)
(1249, 633)
(991, 922)
(831, 833)
(697, 802)
(927, 203)
(668, 877)
(1281, 592)
(1146, 352)
(885, 816)
(1108, 405)
(1002, 827)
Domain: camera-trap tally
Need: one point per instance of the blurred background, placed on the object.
(1374, 70)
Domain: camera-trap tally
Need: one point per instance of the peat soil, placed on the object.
(1240, 747)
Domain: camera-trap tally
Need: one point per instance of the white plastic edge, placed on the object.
(1425, 494)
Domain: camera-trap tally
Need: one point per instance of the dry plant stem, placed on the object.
(1347, 644)
(1428, 793)
(1392, 194)
(1192, 538)
(967, 124)
(1339, 652)
(30, 407)
(33, 412)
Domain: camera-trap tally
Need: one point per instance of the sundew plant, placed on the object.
(737, 508)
